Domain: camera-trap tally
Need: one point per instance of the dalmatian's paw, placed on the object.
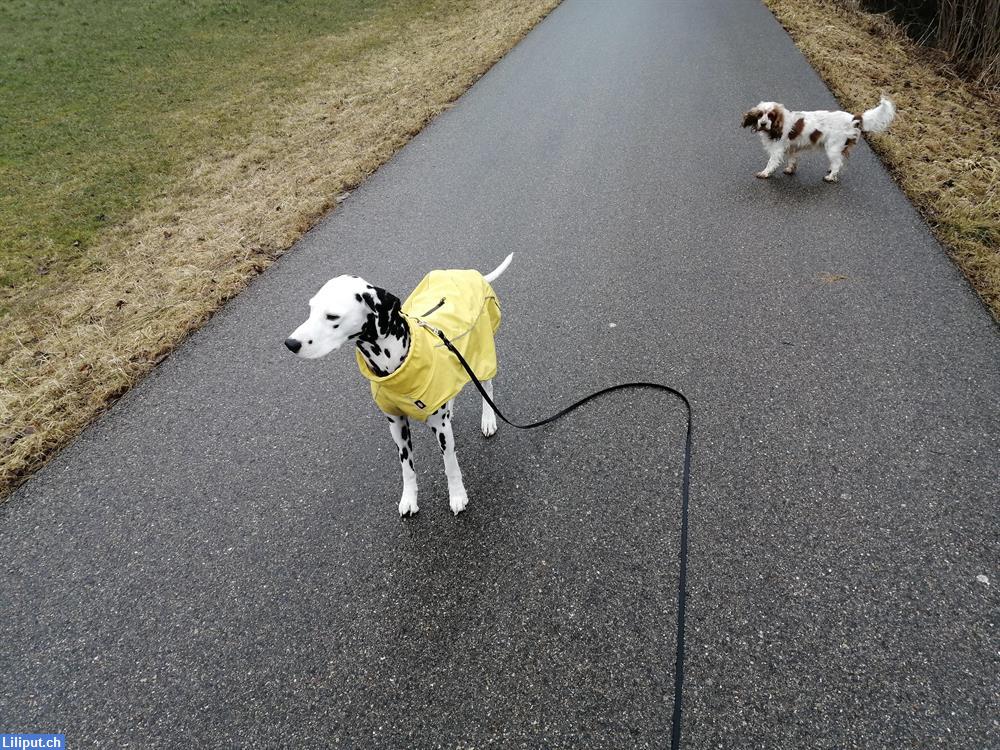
(458, 501)
(408, 505)
(489, 424)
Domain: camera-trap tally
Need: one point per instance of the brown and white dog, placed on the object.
(786, 133)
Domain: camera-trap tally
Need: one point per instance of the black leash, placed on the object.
(675, 733)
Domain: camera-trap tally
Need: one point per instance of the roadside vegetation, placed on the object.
(967, 31)
(155, 156)
(944, 147)
(104, 103)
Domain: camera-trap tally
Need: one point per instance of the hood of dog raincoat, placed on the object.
(465, 307)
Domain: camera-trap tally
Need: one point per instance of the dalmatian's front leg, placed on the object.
(440, 422)
(400, 429)
(489, 421)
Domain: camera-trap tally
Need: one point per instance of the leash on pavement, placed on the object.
(675, 733)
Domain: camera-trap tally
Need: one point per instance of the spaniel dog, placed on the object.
(786, 133)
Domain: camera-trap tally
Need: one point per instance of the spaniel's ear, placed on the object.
(777, 122)
(751, 117)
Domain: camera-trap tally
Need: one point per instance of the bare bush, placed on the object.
(968, 31)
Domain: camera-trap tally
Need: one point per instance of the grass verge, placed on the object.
(944, 147)
(103, 103)
(142, 196)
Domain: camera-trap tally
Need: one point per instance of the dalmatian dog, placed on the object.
(393, 341)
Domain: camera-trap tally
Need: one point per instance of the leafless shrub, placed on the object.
(968, 31)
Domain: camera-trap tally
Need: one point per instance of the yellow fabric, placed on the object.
(430, 376)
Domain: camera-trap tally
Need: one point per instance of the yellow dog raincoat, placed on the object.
(464, 306)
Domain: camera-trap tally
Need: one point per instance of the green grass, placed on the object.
(155, 157)
(102, 102)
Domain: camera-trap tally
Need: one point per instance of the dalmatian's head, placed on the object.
(337, 312)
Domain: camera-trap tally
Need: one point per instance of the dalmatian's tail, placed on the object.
(495, 273)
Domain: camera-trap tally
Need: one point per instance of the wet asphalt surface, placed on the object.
(219, 558)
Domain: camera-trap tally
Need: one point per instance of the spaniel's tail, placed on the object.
(495, 273)
(876, 119)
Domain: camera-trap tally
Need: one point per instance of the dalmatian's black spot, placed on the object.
(434, 430)
(403, 454)
(391, 420)
(372, 365)
(411, 463)
(384, 322)
(443, 441)
(368, 336)
(390, 322)
(369, 332)
(406, 432)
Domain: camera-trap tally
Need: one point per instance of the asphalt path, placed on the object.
(219, 560)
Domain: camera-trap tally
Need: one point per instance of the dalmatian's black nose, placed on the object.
(293, 345)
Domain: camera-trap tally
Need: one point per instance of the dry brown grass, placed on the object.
(76, 340)
(943, 148)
